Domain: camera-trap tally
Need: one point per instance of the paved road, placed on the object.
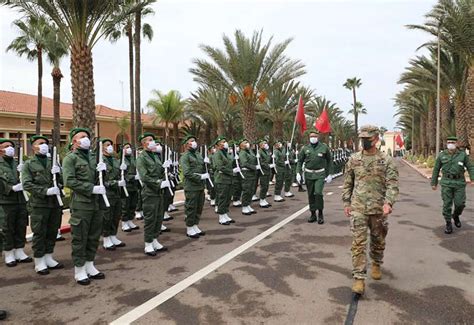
(299, 274)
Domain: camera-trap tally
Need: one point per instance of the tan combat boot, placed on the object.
(358, 286)
(376, 272)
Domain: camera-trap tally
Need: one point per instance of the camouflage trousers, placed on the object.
(361, 224)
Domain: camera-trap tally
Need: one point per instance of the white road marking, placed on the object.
(340, 186)
(330, 193)
(169, 293)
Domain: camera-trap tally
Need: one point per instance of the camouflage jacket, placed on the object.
(452, 166)
(370, 182)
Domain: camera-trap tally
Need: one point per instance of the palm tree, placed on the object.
(142, 10)
(124, 28)
(168, 108)
(352, 84)
(82, 25)
(123, 124)
(35, 33)
(245, 68)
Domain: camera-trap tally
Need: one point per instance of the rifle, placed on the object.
(258, 160)
(20, 162)
(166, 174)
(101, 175)
(236, 157)
(273, 161)
(168, 157)
(139, 179)
(122, 174)
(205, 165)
(54, 162)
(288, 147)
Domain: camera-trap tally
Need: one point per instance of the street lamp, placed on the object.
(438, 91)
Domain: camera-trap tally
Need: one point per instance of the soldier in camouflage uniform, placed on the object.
(369, 192)
(452, 162)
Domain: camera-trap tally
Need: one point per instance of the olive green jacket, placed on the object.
(130, 173)
(192, 165)
(151, 172)
(10, 175)
(248, 163)
(222, 165)
(111, 177)
(315, 157)
(452, 167)
(265, 161)
(280, 159)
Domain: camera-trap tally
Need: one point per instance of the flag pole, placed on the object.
(294, 123)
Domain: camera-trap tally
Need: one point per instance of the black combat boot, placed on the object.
(313, 217)
(320, 217)
(301, 188)
(3, 314)
(457, 222)
(449, 228)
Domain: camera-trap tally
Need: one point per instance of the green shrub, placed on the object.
(430, 162)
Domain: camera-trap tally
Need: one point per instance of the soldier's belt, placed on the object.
(313, 171)
(454, 176)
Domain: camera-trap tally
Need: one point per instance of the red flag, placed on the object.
(300, 118)
(322, 123)
(399, 140)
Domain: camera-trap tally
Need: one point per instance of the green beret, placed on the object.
(311, 130)
(3, 140)
(276, 142)
(37, 137)
(75, 131)
(219, 139)
(261, 141)
(452, 138)
(105, 140)
(146, 134)
(186, 138)
(368, 131)
(241, 140)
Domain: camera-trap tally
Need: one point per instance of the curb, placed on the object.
(416, 169)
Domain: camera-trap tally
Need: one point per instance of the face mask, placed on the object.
(159, 148)
(265, 146)
(366, 144)
(128, 151)
(10, 151)
(313, 140)
(213, 150)
(194, 144)
(84, 143)
(247, 145)
(109, 149)
(237, 149)
(451, 146)
(151, 145)
(43, 149)
(226, 145)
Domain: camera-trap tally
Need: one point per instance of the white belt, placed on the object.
(314, 171)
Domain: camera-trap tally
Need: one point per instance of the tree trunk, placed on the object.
(423, 140)
(221, 127)
(461, 116)
(138, 115)
(413, 148)
(431, 127)
(176, 132)
(207, 134)
(40, 91)
(133, 135)
(356, 119)
(82, 80)
(213, 132)
(445, 115)
(469, 104)
(277, 131)
(167, 133)
(248, 121)
(57, 75)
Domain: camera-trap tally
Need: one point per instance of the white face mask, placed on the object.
(194, 144)
(159, 148)
(109, 149)
(247, 145)
(265, 146)
(84, 143)
(237, 149)
(226, 145)
(213, 150)
(9, 151)
(451, 146)
(151, 145)
(313, 140)
(43, 149)
(128, 151)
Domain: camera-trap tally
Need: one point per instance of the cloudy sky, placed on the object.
(335, 39)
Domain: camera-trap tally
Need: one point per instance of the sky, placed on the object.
(335, 39)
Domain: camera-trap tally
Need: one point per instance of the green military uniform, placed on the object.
(265, 174)
(192, 165)
(452, 164)
(46, 213)
(210, 189)
(290, 172)
(129, 204)
(318, 165)
(236, 184)
(279, 154)
(248, 165)
(222, 165)
(370, 182)
(14, 209)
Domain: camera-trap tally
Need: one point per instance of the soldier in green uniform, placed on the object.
(279, 159)
(45, 211)
(139, 208)
(236, 178)
(168, 196)
(264, 172)
(369, 192)
(452, 162)
(152, 175)
(195, 176)
(222, 165)
(3, 185)
(113, 185)
(129, 204)
(290, 169)
(210, 189)
(79, 174)
(318, 168)
(248, 165)
(14, 206)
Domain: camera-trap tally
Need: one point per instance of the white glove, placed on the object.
(122, 183)
(165, 183)
(123, 166)
(52, 191)
(17, 188)
(206, 160)
(55, 170)
(19, 167)
(296, 161)
(166, 164)
(273, 156)
(101, 167)
(176, 164)
(137, 177)
(236, 156)
(272, 165)
(98, 189)
(204, 176)
(328, 179)
(259, 167)
(298, 177)
(287, 162)
(236, 170)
